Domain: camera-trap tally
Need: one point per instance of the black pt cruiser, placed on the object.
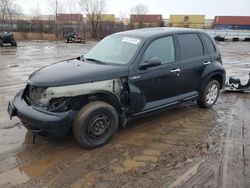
(125, 75)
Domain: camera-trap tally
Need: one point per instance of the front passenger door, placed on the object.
(156, 84)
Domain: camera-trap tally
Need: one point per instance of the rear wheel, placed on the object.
(13, 43)
(209, 95)
(95, 124)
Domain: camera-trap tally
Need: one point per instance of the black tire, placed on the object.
(207, 100)
(95, 124)
(1, 42)
(13, 43)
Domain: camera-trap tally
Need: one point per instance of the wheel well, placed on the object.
(113, 101)
(108, 98)
(219, 78)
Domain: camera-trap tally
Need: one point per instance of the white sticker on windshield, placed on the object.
(131, 40)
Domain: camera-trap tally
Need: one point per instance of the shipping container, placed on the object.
(232, 22)
(104, 17)
(146, 18)
(108, 17)
(188, 21)
(69, 17)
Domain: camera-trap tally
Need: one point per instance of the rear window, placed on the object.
(191, 45)
(209, 44)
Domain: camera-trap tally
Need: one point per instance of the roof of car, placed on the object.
(150, 32)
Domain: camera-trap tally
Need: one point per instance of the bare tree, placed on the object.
(55, 7)
(36, 12)
(139, 11)
(9, 8)
(38, 23)
(122, 16)
(3, 9)
(94, 10)
(71, 6)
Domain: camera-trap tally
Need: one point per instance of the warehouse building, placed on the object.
(232, 22)
(187, 21)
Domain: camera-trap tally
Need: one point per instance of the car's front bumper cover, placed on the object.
(40, 121)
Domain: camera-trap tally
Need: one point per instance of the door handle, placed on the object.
(207, 63)
(175, 70)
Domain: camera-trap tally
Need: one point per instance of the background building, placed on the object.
(232, 22)
(188, 21)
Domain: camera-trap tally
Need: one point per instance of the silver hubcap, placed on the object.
(212, 94)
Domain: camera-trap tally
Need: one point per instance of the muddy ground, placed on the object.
(184, 146)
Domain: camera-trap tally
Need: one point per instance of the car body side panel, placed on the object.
(212, 70)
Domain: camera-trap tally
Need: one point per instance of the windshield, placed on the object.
(114, 49)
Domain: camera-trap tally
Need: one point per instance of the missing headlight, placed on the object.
(33, 94)
(59, 105)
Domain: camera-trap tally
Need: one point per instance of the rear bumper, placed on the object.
(40, 121)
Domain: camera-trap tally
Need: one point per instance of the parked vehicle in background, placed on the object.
(125, 75)
(220, 38)
(74, 37)
(7, 38)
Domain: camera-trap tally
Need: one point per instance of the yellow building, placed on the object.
(188, 21)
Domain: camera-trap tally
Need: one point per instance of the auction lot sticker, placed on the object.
(131, 40)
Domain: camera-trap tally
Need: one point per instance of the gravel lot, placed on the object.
(184, 146)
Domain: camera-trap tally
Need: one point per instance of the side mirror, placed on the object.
(151, 62)
(80, 58)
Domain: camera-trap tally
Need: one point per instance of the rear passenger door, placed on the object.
(193, 61)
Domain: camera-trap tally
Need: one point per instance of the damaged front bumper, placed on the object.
(40, 121)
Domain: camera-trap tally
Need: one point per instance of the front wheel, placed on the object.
(209, 94)
(95, 124)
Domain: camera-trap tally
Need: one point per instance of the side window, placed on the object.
(191, 45)
(162, 48)
(210, 46)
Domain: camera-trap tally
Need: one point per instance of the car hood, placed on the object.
(75, 71)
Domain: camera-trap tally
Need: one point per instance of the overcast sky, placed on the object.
(210, 8)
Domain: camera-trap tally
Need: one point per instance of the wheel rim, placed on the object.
(212, 94)
(99, 126)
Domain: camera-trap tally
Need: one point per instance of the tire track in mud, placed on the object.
(226, 163)
(234, 161)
